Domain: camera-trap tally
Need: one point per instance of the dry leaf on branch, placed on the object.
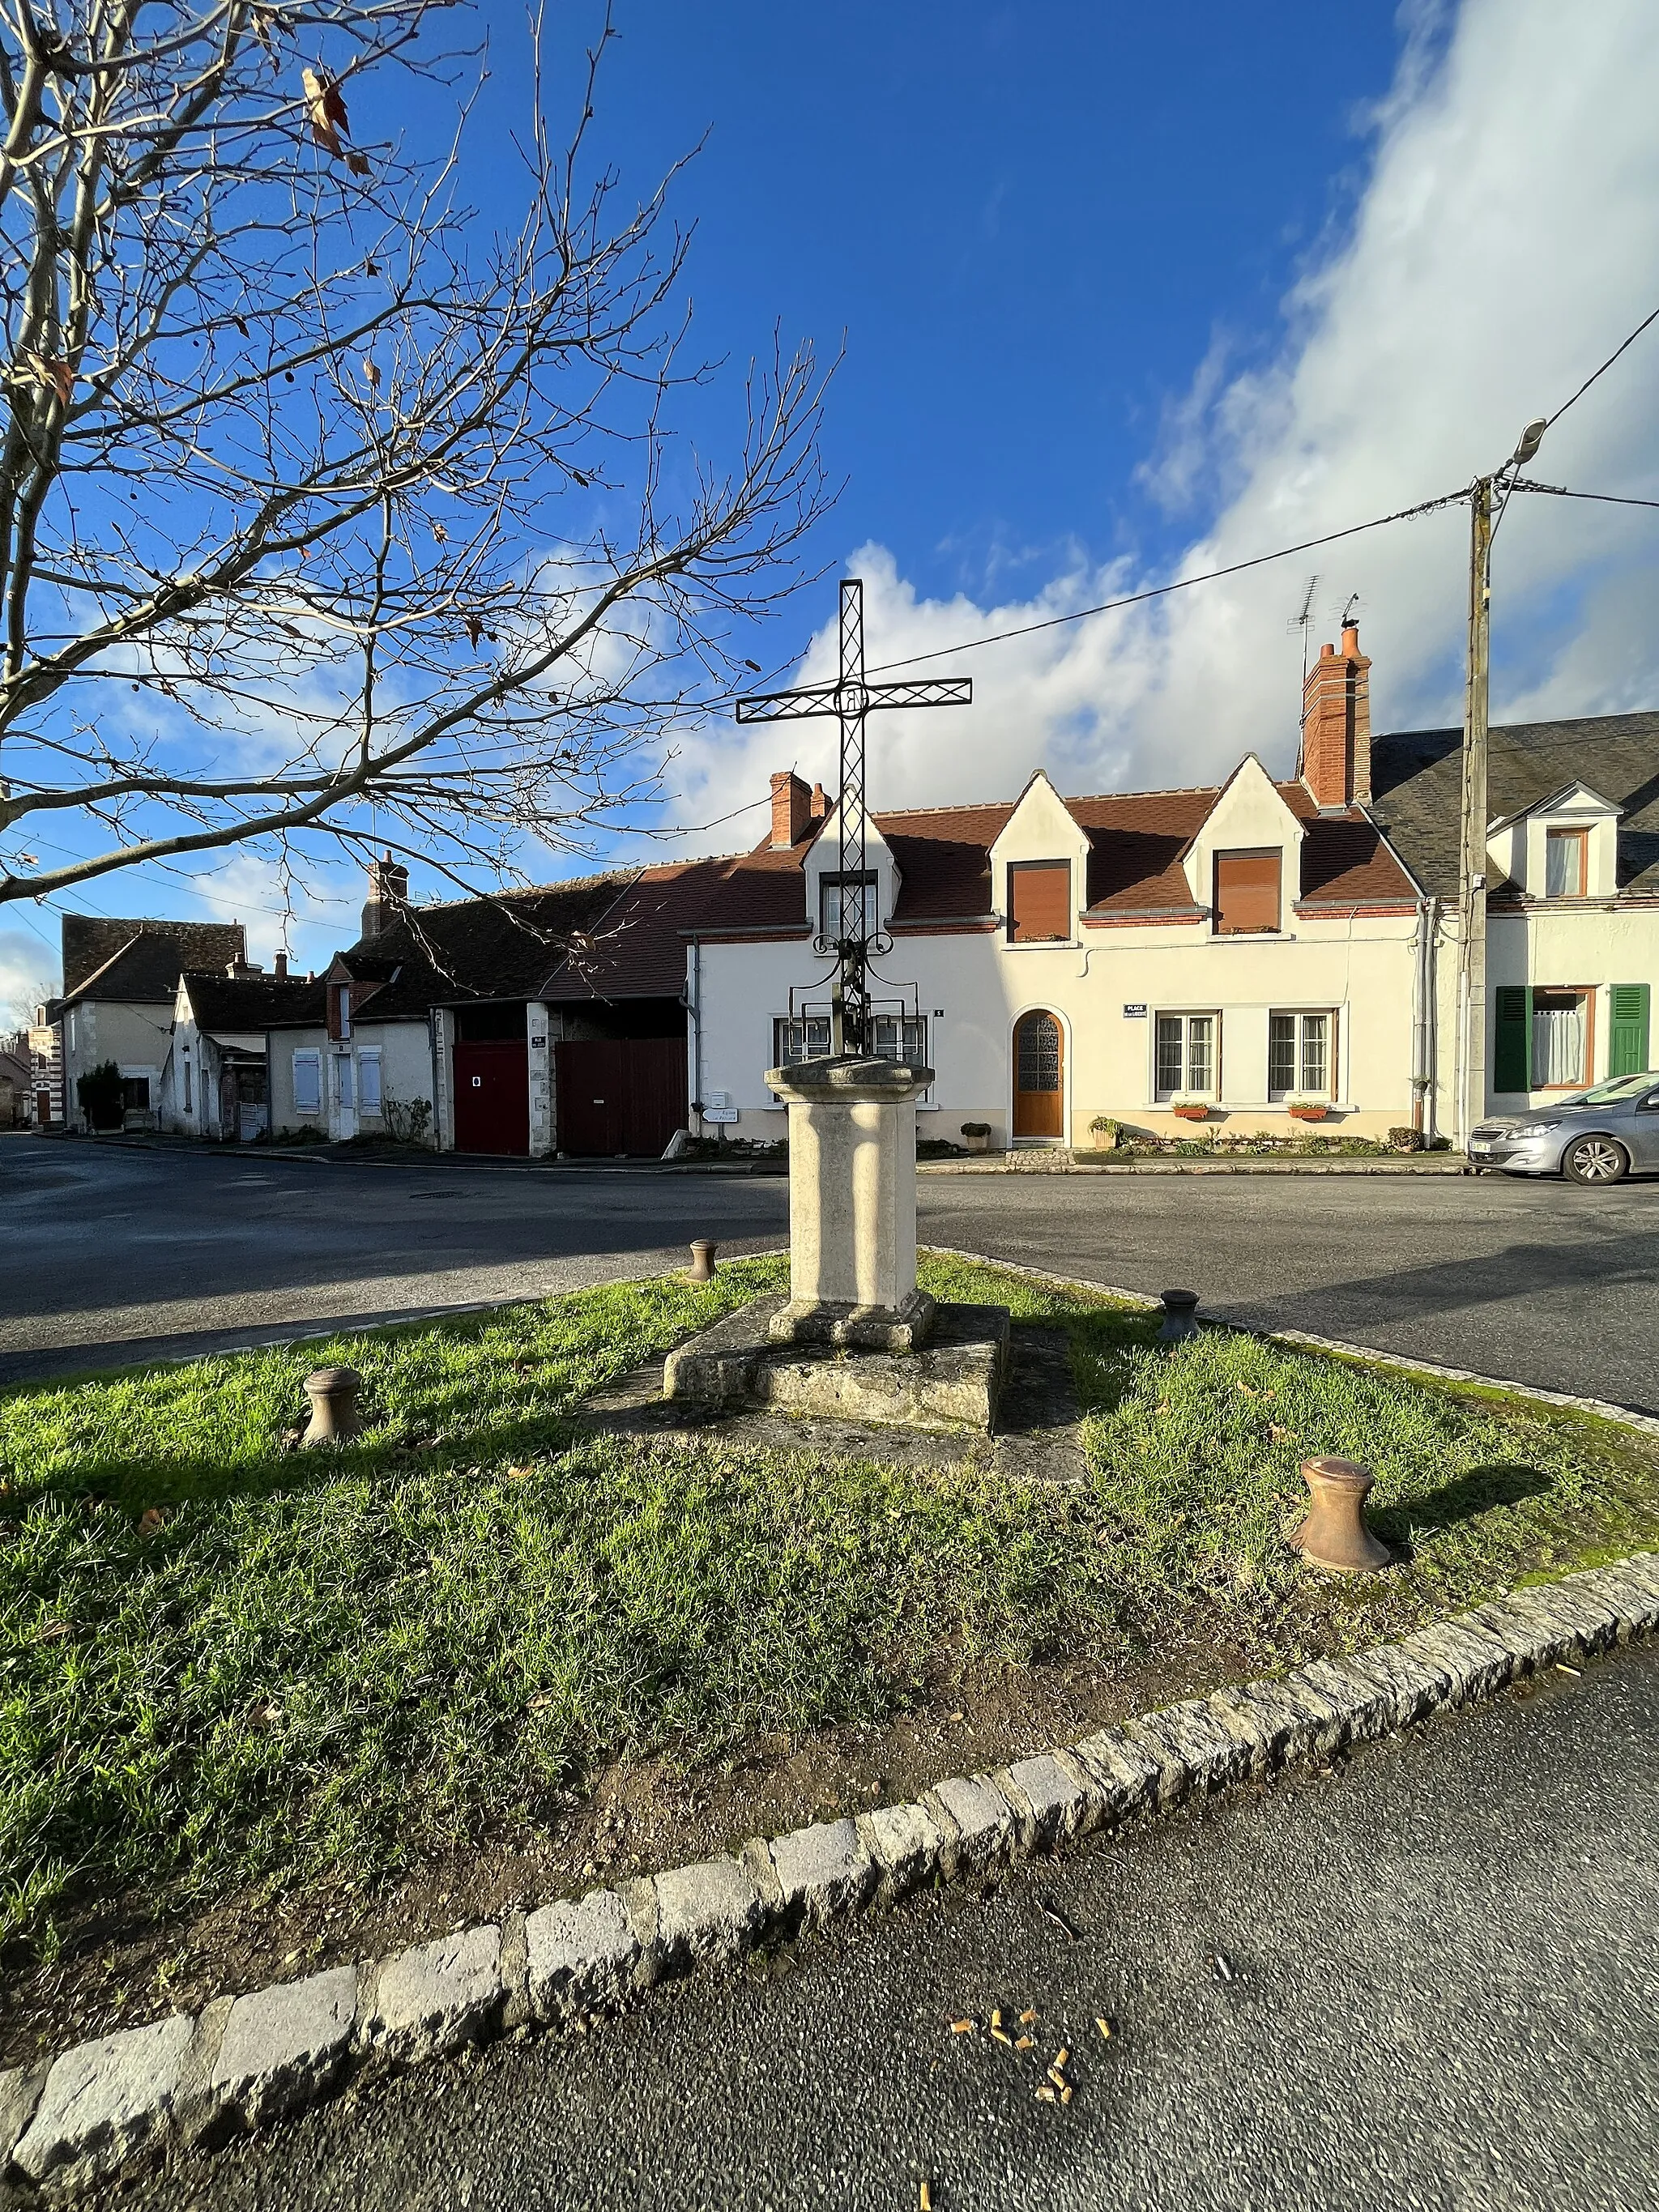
(474, 628)
(325, 108)
(372, 372)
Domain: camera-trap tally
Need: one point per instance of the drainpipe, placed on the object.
(1423, 1017)
(695, 1009)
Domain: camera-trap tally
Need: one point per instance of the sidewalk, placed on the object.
(1059, 1161)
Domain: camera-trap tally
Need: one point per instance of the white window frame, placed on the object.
(1301, 1088)
(312, 1060)
(343, 1002)
(368, 1057)
(1187, 1015)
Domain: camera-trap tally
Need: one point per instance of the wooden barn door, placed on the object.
(492, 1095)
(619, 1095)
(1039, 1075)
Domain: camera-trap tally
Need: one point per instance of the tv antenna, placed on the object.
(1304, 621)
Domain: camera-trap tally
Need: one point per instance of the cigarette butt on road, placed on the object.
(963, 2026)
(996, 2017)
(1002, 2036)
(925, 2195)
(1562, 1668)
(1065, 2095)
(1061, 2056)
(1024, 2042)
(1056, 2077)
(1046, 2096)
(1105, 2028)
(1028, 2016)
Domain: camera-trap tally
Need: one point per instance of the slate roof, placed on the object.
(254, 1002)
(141, 962)
(1417, 775)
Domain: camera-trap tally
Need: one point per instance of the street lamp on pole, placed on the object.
(1471, 1102)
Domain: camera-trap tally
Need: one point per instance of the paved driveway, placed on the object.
(118, 1254)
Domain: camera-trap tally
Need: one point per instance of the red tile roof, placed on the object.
(1136, 841)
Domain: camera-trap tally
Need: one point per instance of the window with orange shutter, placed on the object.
(1039, 902)
(1246, 893)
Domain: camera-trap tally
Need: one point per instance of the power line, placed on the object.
(1182, 584)
(1606, 365)
(1602, 498)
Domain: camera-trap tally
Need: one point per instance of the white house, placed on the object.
(1250, 952)
(215, 1083)
(121, 982)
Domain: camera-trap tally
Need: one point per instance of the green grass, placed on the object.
(341, 1662)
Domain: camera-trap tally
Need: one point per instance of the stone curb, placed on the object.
(1440, 1164)
(67, 2124)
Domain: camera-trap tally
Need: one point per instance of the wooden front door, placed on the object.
(621, 1094)
(492, 1095)
(1039, 1077)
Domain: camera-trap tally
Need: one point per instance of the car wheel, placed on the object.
(1596, 1159)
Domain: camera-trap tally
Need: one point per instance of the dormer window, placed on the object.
(1246, 893)
(1039, 902)
(846, 906)
(1566, 863)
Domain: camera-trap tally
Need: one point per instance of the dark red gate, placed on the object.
(619, 1095)
(492, 1095)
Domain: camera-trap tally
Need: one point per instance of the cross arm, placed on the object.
(929, 691)
(789, 706)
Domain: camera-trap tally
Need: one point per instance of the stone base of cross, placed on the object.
(852, 1205)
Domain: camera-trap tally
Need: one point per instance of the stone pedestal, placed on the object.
(852, 1205)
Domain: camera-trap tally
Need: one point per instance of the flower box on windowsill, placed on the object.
(1189, 1108)
(1308, 1110)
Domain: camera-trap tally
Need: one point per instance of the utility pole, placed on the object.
(1472, 866)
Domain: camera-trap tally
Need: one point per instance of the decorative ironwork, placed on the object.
(856, 937)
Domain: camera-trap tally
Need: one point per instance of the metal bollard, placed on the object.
(333, 1394)
(1180, 1316)
(1334, 1535)
(703, 1249)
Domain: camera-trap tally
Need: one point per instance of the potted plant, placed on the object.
(976, 1135)
(1107, 1133)
(1190, 1105)
(1305, 1107)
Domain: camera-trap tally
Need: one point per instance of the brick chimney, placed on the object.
(1336, 724)
(791, 800)
(820, 804)
(279, 964)
(388, 889)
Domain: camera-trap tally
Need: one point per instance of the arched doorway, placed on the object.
(1039, 1075)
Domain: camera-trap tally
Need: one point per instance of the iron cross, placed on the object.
(850, 698)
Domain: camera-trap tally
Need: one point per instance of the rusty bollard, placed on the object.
(333, 1394)
(703, 1249)
(1180, 1316)
(1334, 1535)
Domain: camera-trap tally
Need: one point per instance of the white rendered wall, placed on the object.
(972, 988)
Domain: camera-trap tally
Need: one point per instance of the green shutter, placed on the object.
(1627, 1035)
(1511, 1064)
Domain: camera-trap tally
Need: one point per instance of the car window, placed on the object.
(1621, 1086)
(1650, 1104)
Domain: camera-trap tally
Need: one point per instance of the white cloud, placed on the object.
(28, 974)
(1506, 240)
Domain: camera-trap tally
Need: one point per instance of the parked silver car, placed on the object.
(1590, 1136)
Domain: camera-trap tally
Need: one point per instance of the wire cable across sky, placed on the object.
(1180, 584)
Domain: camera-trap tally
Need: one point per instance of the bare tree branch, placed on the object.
(316, 498)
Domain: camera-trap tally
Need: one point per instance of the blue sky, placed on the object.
(1126, 293)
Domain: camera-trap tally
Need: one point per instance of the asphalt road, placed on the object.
(1445, 1993)
(117, 1255)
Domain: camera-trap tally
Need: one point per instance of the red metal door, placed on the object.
(619, 1095)
(492, 1096)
